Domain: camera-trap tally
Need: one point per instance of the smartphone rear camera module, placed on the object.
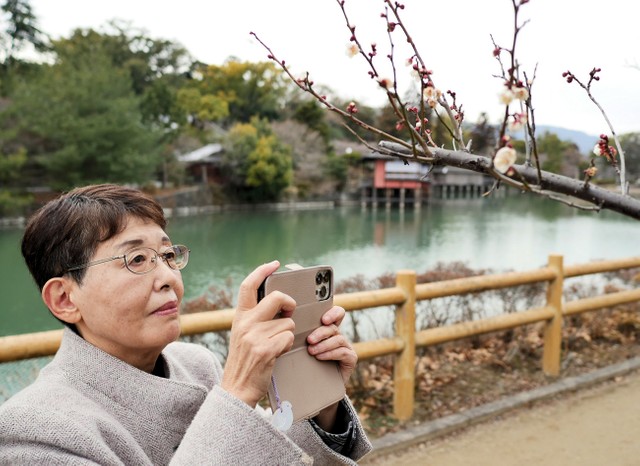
(323, 285)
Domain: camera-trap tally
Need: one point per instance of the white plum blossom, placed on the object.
(431, 95)
(352, 50)
(506, 96)
(518, 122)
(597, 149)
(505, 157)
(431, 92)
(521, 93)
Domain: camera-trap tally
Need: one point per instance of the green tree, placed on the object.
(310, 113)
(387, 120)
(251, 89)
(202, 108)
(20, 30)
(483, 136)
(11, 199)
(365, 113)
(258, 166)
(157, 68)
(81, 123)
(552, 150)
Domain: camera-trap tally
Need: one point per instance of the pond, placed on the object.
(517, 232)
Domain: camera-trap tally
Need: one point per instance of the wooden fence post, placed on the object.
(404, 367)
(553, 328)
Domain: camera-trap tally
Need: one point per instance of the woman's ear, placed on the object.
(56, 294)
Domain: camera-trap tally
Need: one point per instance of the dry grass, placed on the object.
(454, 377)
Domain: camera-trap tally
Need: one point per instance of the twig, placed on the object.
(395, 6)
(593, 76)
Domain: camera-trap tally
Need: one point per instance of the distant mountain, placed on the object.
(584, 141)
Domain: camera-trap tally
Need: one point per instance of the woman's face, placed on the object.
(132, 317)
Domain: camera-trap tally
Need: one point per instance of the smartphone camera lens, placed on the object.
(323, 292)
(326, 276)
(319, 278)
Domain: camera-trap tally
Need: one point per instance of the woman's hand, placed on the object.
(257, 339)
(326, 343)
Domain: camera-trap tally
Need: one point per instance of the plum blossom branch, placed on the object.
(514, 88)
(306, 84)
(421, 147)
(389, 86)
(551, 186)
(602, 148)
(426, 81)
(531, 122)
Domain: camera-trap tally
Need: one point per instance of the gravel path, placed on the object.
(599, 425)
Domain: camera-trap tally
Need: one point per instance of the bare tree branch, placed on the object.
(599, 198)
(421, 148)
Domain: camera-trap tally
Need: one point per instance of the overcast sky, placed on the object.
(453, 37)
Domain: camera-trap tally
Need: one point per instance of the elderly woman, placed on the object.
(121, 390)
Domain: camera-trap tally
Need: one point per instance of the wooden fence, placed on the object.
(404, 296)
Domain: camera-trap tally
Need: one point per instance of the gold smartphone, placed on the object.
(299, 378)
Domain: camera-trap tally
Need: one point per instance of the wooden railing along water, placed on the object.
(404, 296)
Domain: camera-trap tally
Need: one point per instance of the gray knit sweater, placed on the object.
(87, 407)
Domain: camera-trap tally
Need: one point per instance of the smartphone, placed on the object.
(299, 378)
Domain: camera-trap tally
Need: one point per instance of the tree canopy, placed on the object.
(258, 166)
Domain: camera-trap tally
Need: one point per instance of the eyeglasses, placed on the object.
(144, 260)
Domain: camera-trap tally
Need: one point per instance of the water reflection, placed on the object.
(512, 233)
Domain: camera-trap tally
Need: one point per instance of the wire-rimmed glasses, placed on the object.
(143, 260)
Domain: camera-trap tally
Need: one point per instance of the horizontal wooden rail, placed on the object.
(38, 344)
(207, 321)
(29, 345)
(368, 299)
(600, 302)
(437, 335)
(381, 347)
(482, 283)
(601, 267)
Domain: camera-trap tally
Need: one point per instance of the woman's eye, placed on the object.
(137, 259)
(170, 255)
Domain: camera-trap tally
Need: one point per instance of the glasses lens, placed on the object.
(177, 256)
(140, 260)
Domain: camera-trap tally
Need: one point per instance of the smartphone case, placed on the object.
(307, 383)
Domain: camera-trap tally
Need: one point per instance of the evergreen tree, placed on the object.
(20, 29)
(81, 123)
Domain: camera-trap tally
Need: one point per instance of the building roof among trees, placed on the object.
(208, 153)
